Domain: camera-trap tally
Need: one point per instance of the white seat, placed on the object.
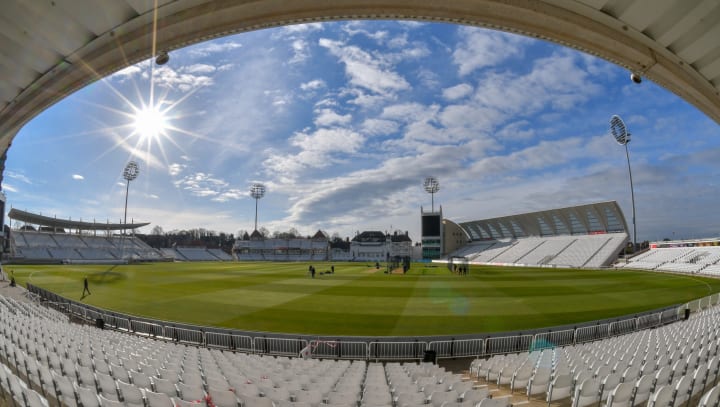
(130, 395)
(699, 379)
(711, 398)
(87, 397)
(495, 402)
(662, 397)
(539, 382)
(587, 393)
(682, 390)
(608, 384)
(621, 396)
(560, 388)
(164, 386)
(643, 389)
(223, 398)
(107, 386)
(64, 390)
(521, 377)
(437, 398)
(158, 399)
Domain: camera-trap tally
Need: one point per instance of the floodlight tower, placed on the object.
(431, 186)
(619, 131)
(257, 191)
(130, 172)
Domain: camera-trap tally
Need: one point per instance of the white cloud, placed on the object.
(399, 41)
(209, 48)
(302, 28)
(17, 176)
(9, 187)
(380, 127)
(520, 130)
(301, 51)
(457, 91)
(175, 169)
(78, 177)
(313, 85)
(364, 70)
(206, 185)
(169, 78)
(428, 78)
(198, 68)
(317, 150)
(378, 36)
(127, 73)
(328, 117)
(481, 48)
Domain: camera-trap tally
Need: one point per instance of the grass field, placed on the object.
(358, 300)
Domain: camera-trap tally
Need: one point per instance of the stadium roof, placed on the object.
(596, 218)
(49, 49)
(53, 222)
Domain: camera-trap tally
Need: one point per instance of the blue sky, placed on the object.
(342, 122)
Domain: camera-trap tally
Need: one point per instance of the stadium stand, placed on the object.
(59, 247)
(698, 257)
(258, 248)
(580, 236)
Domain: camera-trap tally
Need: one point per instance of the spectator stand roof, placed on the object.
(56, 223)
(596, 218)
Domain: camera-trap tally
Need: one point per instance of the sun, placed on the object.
(150, 123)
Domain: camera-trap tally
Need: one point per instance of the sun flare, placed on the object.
(150, 123)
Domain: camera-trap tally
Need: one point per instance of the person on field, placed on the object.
(312, 271)
(86, 289)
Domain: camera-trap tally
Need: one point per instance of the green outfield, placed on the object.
(359, 300)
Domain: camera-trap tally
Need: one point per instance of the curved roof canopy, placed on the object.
(41, 220)
(597, 218)
(49, 49)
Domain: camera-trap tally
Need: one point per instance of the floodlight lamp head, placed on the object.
(257, 191)
(131, 171)
(431, 185)
(162, 58)
(619, 131)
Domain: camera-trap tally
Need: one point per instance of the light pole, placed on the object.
(621, 135)
(257, 191)
(130, 172)
(431, 186)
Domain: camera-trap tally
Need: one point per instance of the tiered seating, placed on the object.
(31, 245)
(493, 251)
(609, 252)
(221, 255)
(564, 250)
(656, 257)
(196, 254)
(700, 260)
(64, 253)
(547, 250)
(518, 250)
(69, 241)
(666, 366)
(37, 239)
(92, 253)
